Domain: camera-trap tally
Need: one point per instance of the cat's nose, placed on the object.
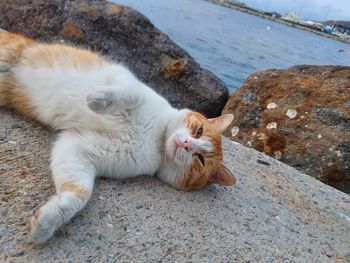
(187, 145)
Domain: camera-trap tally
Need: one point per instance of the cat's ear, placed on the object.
(222, 122)
(223, 176)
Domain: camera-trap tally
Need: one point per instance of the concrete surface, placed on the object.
(273, 214)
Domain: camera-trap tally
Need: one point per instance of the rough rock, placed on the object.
(300, 116)
(273, 214)
(123, 35)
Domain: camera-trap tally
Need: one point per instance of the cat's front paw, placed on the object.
(40, 226)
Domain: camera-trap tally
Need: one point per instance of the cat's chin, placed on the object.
(180, 156)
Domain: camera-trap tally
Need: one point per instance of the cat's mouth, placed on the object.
(176, 149)
(182, 153)
(185, 145)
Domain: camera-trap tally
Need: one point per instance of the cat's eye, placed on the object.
(199, 133)
(201, 159)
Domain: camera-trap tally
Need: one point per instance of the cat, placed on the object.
(110, 123)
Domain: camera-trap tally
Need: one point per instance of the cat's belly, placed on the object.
(129, 164)
(118, 159)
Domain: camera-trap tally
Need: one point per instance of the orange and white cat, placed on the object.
(110, 124)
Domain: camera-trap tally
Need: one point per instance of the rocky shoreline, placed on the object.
(255, 12)
(273, 213)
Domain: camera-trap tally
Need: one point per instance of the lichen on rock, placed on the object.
(311, 121)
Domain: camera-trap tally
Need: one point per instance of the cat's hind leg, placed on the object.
(74, 176)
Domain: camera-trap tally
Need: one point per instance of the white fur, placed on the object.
(112, 125)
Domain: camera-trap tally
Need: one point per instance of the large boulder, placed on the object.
(300, 116)
(123, 35)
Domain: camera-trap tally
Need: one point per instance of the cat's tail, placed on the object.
(11, 47)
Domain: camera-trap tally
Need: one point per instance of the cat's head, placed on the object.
(193, 152)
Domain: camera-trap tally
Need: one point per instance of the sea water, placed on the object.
(234, 44)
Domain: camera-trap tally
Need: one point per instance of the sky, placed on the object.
(316, 10)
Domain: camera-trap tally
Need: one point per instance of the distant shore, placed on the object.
(266, 15)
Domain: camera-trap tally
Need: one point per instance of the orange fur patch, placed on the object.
(11, 49)
(194, 120)
(196, 179)
(4, 93)
(48, 55)
(12, 45)
(78, 190)
(14, 48)
(197, 175)
(14, 94)
(20, 100)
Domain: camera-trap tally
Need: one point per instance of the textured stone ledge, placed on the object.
(273, 214)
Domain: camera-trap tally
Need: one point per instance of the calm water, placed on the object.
(233, 44)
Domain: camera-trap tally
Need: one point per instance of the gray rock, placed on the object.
(4, 212)
(3, 135)
(273, 214)
(16, 126)
(17, 253)
(7, 245)
(126, 36)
